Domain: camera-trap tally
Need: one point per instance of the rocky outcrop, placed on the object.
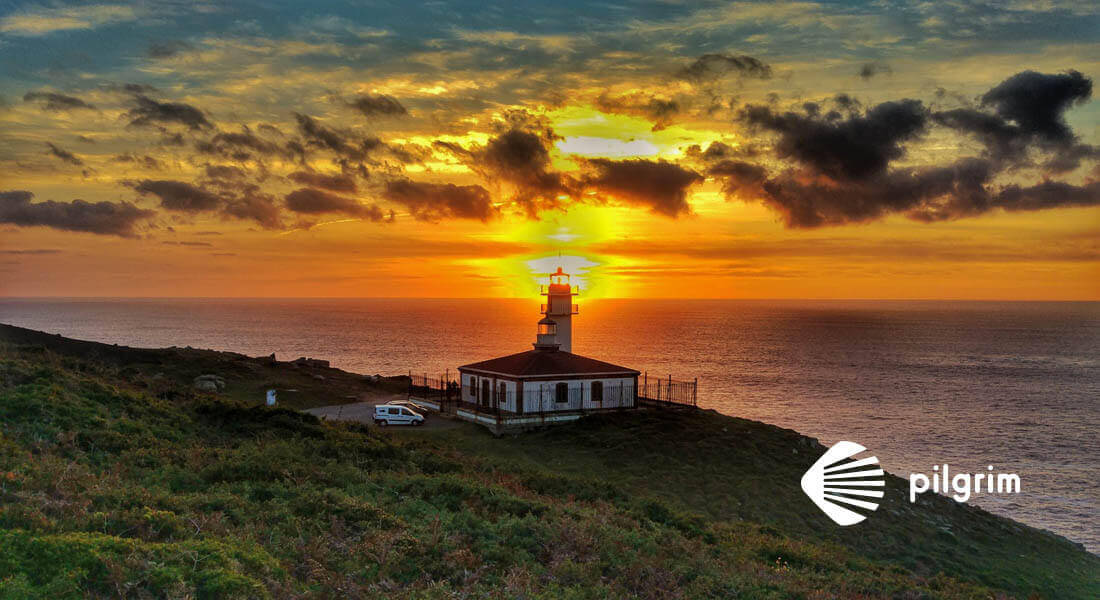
(209, 383)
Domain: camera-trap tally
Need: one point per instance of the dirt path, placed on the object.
(363, 412)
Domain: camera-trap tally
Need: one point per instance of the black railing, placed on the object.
(668, 391)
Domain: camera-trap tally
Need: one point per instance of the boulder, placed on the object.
(209, 383)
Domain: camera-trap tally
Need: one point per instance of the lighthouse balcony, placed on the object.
(558, 309)
(559, 289)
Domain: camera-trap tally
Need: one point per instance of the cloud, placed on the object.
(224, 172)
(738, 175)
(343, 144)
(335, 183)
(861, 145)
(378, 105)
(185, 243)
(1012, 198)
(166, 49)
(54, 101)
(150, 112)
(1036, 102)
(869, 70)
(36, 21)
(254, 205)
(659, 111)
(143, 160)
(34, 251)
(522, 158)
(179, 196)
(238, 145)
(64, 155)
(658, 185)
(714, 66)
(1027, 111)
(104, 218)
(314, 201)
(438, 201)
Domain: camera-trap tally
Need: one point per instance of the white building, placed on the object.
(549, 378)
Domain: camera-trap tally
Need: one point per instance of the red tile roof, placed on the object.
(536, 363)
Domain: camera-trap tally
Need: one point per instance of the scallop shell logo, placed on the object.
(836, 478)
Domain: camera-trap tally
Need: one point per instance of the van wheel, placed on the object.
(419, 423)
(381, 423)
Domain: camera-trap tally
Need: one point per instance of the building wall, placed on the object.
(468, 393)
(542, 395)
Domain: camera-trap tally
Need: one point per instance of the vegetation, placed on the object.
(115, 483)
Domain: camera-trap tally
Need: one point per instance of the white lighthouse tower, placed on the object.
(560, 308)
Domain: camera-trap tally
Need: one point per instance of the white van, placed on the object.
(389, 414)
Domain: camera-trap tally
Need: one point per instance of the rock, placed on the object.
(311, 362)
(318, 377)
(209, 383)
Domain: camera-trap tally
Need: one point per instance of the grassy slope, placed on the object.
(112, 486)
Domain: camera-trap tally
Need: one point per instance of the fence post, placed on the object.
(695, 393)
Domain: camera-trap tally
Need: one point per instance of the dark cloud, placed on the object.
(253, 205)
(737, 175)
(238, 145)
(1027, 111)
(105, 218)
(713, 66)
(85, 139)
(314, 201)
(225, 172)
(179, 195)
(34, 251)
(378, 105)
(437, 201)
(658, 185)
(805, 201)
(1048, 194)
(57, 102)
(522, 159)
(335, 183)
(185, 243)
(853, 147)
(64, 154)
(166, 49)
(238, 201)
(150, 112)
(1037, 102)
(869, 70)
(319, 136)
(659, 111)
(144, 160)
(716, 151)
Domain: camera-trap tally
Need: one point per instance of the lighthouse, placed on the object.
(559, 307)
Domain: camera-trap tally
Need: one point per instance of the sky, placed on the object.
(946, 150)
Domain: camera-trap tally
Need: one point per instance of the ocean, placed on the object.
(1015, 385)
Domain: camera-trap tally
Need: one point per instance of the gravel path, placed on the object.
(363, 412)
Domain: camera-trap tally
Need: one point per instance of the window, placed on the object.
(561, 392)
(473, 387)
(406, 412)
(502, 394)
(597, 391)
(486, 391)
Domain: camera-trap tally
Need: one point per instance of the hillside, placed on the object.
(117, 479)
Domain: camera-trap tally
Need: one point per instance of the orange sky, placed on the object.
(670, 158)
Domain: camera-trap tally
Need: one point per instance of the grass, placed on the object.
(112, 487)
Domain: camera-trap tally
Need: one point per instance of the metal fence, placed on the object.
(668, 391)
